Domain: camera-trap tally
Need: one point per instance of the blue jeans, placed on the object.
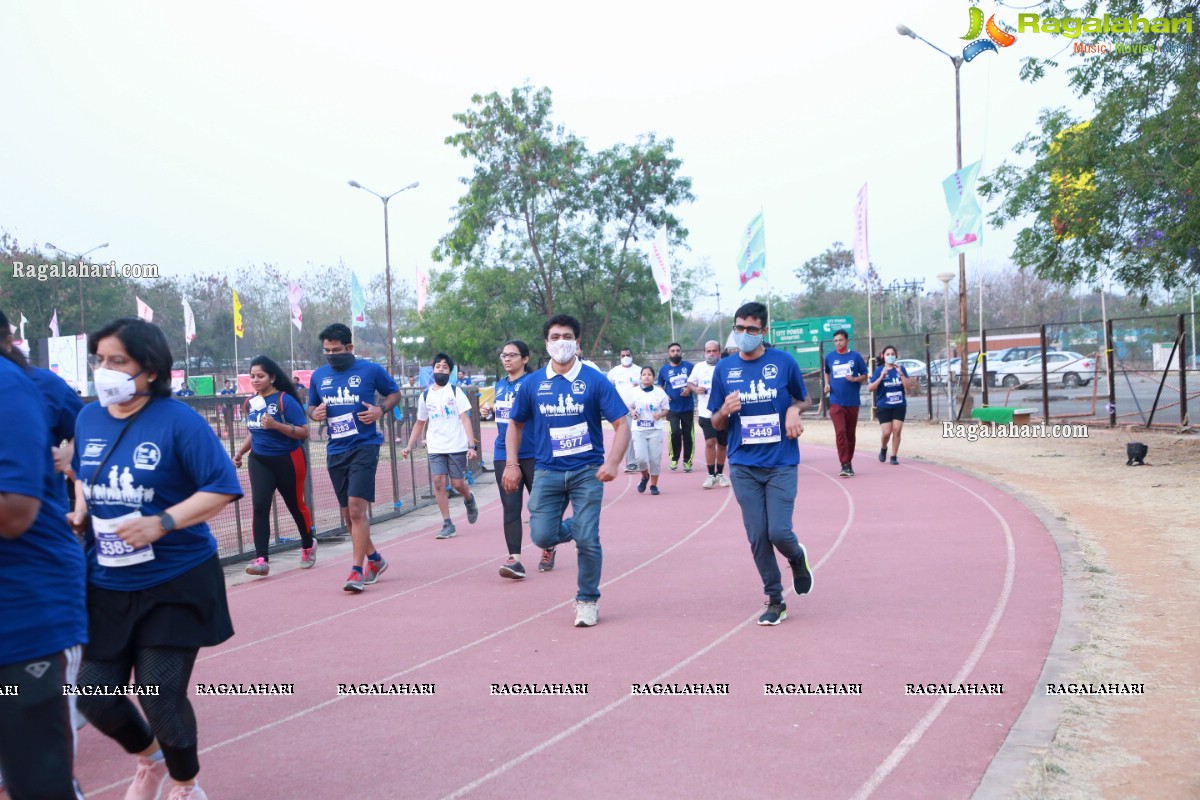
(767, 496)
(552, 490)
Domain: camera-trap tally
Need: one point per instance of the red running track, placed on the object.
(922, 576)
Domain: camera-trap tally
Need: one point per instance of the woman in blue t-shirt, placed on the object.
(149, 473)
(891, 385)
(277, 427)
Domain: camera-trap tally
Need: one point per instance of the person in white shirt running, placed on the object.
(626, 377)
(700, 382)
(650, 405)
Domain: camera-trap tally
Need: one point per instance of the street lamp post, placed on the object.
(945, 278)
(387, 261)
(78, 257)
(957, 61)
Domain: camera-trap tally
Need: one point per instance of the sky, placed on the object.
(204, 138)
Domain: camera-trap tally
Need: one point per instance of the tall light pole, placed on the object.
(78, 257)
(387, 261)
(945, 278)
(957, 61)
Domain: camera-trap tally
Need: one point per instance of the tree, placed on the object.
(1116, 193)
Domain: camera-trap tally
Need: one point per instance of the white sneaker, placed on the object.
(722, 481)
(193, 792)
(710, 482)
(147, 781)
(587, 613)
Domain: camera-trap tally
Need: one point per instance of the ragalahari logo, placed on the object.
(995, 35)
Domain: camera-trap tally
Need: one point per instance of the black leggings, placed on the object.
(169, 716)
(512, 503)
(37, 737)
(286, 474)
(681, 428)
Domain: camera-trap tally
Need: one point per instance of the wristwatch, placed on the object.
(168, 522)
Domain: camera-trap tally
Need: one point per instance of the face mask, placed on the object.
(890, 359)
(676, 359)
(113, 386)
(626, 361)
(711, 360)
(841, 347)
(340, 361)
(746, 342)
(441, 378)
(562, 350)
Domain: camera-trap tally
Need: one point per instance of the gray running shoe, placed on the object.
(448, 531)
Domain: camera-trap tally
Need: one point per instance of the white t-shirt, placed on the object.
(626, 380)
(444, 432)
(647, 405)
(702, 375)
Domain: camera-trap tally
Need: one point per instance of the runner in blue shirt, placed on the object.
(759, 396)
(343, 393)
(891, 385)
(673, 378)
(845, 371)
(150, 474)
(560, 408)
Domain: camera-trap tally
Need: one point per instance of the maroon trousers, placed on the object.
(845, 424)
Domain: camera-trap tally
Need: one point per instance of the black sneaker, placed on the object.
(882, 454)
(775, 613)
(845, 473)
(512, 568)
(654, 490)
(802, 578)
(895, 461)
(472, 509)
(849, 470)
(642, 484)
(547, 562)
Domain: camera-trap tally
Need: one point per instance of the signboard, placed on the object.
(802, 337)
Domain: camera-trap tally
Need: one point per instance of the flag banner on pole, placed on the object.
(144, 311)
(422, 289)
(358, 304)
(189, 322)
(239, 328)
(966, 215)
(660, 265)
(295, 295)
(54, 324)
(862, 253)
(752, 260)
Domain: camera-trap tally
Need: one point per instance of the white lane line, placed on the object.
(583, 723)
(910, 740)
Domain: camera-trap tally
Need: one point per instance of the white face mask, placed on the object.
(113, 386)
(626, 361)
(890, 359)
(562, 350)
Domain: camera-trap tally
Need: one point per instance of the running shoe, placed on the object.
(587, 613)
(895, 461)
(355, 582)
(147, 780)
(642, 484)
(512, 568)
(632, 468)
(673, 465)
(882, 454)
(775, 613)
(654, 491)
(472, 509)
(722, 481)
(259, 567)
(687, 465)
(374, 570)
(845, 473)
(448, 530)
(802, 578)
(709, 482)
(547, 562)
(193, 792)
(849, 470)
(308, 556)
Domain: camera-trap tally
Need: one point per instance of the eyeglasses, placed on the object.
(112, 362)
(510, 355)
(747, 329)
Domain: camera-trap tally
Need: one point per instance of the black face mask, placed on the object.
(676, 359)
(340, 361)
(441, 378)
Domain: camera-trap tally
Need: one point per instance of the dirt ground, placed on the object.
(1138, 529)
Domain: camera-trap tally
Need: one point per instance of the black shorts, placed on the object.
(706, 426)
(37, 739)
(353, 473)
(890, 414)
(189, 611)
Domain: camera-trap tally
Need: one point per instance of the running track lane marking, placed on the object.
(305, 712)
(614, 705)
(926, 722)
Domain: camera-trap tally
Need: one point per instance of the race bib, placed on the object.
(342, 426)
(894, 398)
(570, 440)
(843, 370)
(678, 381)
(645, 424)
(111, 551)
(760, 429)
(503, 408)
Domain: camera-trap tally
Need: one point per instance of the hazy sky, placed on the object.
(204, 137)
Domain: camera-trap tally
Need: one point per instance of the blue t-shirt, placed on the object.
(561, 414)
(767, 386)
(673, 380)
(890, 393)
(344, 394)
(506, 392)
(62, 404)
(168, 454)
(839, 366)
(51, 616)
(268, 442)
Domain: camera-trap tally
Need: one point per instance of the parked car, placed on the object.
(1063, 367)
(1007, 356)
(937, 373)
(916, 370)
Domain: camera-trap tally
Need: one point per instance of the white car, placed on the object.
(1063, 367)
(916, 370)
